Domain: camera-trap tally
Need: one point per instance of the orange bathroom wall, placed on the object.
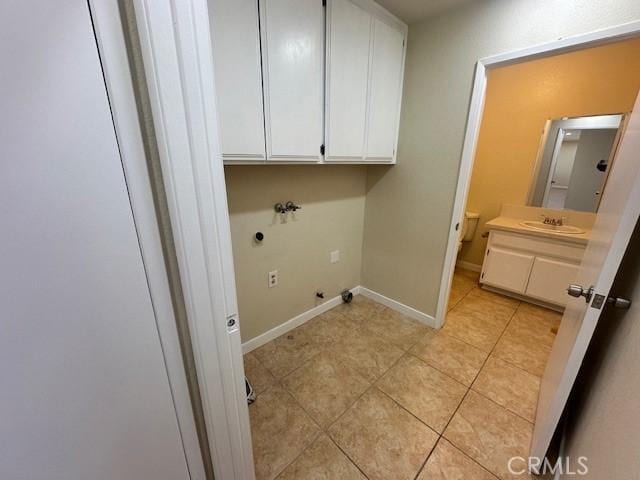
(521, 98)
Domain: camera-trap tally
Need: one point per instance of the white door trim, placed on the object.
(107, 23)
(563, 45)
(554, 162)
(176, 48)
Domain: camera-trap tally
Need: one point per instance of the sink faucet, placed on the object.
(556, 222)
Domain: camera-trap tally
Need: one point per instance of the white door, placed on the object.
(84, 393)
(293, 68)
(236, 47)
(387, 58)
(617, 216)
(349, 33)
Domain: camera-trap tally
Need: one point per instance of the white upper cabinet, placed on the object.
(292, 33)
(365, 61)
(348, 41)
(236, 49)
(297, 84)
(387, 63)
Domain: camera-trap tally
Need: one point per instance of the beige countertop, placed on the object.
(513, 225)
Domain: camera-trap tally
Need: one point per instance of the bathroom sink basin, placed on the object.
(567, 229)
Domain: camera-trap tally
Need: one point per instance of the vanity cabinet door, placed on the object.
(550, 278)
(293, 70)
(348, 38)
(235, 41)
(507, 269)
(385, 87)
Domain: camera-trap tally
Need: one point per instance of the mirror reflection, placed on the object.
(574, 162)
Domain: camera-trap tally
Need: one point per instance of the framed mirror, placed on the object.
(574, 161)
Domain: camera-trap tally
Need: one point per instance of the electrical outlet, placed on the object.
(335, 256)
(273, 278)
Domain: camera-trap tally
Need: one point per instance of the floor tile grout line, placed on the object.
(484, 364)
(501, 406)
(371, 385)
(407, 410)
(424, 464)
(438, 369)
(348, 456)
(467, 394)
(320, 432)
(326, 430)
(374, 384)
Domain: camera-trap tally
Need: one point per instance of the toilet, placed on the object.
(469, 225)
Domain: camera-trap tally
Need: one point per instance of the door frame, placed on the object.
(110, 40)
(177, 55)
(474, 119)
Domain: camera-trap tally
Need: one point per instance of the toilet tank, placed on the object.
(471, 223)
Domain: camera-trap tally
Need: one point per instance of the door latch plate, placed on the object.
(598, 301)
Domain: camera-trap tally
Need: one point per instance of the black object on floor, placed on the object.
(251, 395)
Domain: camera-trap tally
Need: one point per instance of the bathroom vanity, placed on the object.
(526, 258)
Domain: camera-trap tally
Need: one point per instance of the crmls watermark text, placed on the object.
(563, 465)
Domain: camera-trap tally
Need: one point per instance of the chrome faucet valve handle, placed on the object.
(279, 208)
(291, 207)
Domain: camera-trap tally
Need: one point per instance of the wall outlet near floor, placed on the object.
(273, 278)
(335, 256)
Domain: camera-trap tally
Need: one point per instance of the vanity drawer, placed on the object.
(541, 246)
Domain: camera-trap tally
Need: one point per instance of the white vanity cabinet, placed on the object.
(298, 84)
(365, 63)
(535, 267)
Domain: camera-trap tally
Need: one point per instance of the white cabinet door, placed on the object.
(293, 69)
(549, 280)
(236, 48)
(507, 269)
(387, 60)
(348, 39)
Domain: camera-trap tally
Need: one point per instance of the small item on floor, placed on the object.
(251, 395)
(347, 296)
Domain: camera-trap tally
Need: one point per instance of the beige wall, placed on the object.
(520, 99)
(605, 413)
(408, 207)
(332, 216)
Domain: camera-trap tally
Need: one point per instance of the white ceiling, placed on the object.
(412, 11)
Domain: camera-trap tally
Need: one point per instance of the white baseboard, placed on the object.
(304, 317)
(294, 322)
(474, 267)
(399, 307)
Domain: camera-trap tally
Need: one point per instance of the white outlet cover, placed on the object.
(273, 278)
(335, 256)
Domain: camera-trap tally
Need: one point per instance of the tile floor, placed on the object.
(364, 392)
